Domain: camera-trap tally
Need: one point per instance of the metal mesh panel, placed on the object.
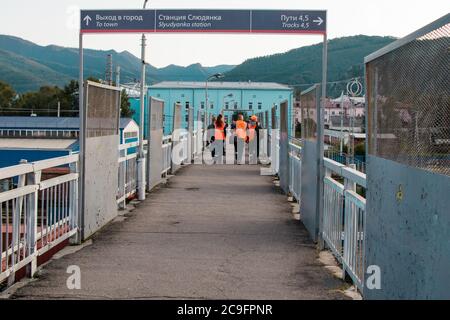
(103, 105)
(308, 107)
(409, 102)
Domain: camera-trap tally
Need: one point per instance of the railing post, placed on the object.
(75, 214)
(31, 214)
(348, 186)
(16, 214)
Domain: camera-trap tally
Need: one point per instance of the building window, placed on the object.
(235, 106)
(202, 105)
(227, 105)
(182, 95)
(187, 105)
(212, 105)
(158, 95)
(186, 118)
(254, 96)
(259, 105)
(250, 105)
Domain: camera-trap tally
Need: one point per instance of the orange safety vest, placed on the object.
(220, 132)
(241, 129)
(251, 131)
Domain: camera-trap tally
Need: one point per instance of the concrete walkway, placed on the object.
(214, 232)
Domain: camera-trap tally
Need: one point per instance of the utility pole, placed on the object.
(141, 158)
(109, 68)
(341, 148)
(118, 76)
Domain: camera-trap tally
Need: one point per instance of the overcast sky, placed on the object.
(55, 22)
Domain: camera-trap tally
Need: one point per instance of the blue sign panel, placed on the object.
(202, 21)
(117, 21)
(199, 20)
(289, 21)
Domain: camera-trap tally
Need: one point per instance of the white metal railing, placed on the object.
(184, 140)
(344, 216)
(36, 213)
(274, 150)
(346, 159)
(167, 154)
(127, 183)
(197, 147)
(295, 166)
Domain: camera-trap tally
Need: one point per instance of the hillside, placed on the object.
(303, 66)
(27, 66)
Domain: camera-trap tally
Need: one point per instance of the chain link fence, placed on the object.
(409, 100)
(309, 104)
(102, 116)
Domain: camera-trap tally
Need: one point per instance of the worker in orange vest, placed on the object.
(219, 136)
(241, 134)
(252, 142)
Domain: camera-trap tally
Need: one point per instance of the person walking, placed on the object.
(253, 139)
(219, 138)
(241, 134)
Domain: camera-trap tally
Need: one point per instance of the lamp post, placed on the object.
(214, 76)
(141, 159)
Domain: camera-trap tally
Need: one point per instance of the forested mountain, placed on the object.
(27, 66)
(303, 66)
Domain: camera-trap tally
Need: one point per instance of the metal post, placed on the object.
(141, 159)
(341, 149)
(206, 105)
(320, 141)
(118, 77)
(80, 221)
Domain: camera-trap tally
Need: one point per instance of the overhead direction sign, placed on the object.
(199, 20)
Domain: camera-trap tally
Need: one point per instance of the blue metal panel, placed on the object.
(407, 231)
(13, 157)
(309, 211)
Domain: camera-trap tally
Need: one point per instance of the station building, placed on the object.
(231, 97)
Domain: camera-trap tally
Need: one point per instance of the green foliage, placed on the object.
(360, 149)
(303, 66)
(44, 102)
(27, 66)
(7, 95)
(125, 106)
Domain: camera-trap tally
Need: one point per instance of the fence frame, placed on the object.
(26, 194)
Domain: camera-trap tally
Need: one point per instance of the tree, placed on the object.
(7, 95)
(125, 106)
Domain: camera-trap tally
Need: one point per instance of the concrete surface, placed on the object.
(214, 232)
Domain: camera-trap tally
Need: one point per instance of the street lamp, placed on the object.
(141, 159)
(214, 76)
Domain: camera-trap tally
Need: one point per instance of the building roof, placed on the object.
(62, 123)
(37, 144)
(220, 85)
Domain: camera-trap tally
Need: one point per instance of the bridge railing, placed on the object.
(274, 144)
(38, 210)
(167, 155)
(344, 213)
(295, 166)
(346, 159)
(127, 171)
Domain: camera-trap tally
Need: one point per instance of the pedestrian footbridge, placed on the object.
(206, 230)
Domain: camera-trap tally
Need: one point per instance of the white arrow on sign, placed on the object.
(87, 19)
(319, 21)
